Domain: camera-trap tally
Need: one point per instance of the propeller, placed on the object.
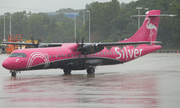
(39, 40)
(82, 50)
(35, 45)
(32, 40)
(80, 46)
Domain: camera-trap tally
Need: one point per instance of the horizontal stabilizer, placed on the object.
(162, 15)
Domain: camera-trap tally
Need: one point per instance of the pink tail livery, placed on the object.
(148, 31)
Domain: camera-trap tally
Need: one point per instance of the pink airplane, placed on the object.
(81, 56)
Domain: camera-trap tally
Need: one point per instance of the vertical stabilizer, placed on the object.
(148, 31)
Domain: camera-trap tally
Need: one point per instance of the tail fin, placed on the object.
(148, 31)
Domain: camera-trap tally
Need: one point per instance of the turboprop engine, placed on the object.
(90, 48)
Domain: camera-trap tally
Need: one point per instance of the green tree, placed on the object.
(48, 39)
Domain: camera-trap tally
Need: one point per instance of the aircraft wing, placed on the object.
(41, 45)
(122, 44)
(88, 48)
(17, 43)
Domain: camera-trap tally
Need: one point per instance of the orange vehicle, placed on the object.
(15, 38)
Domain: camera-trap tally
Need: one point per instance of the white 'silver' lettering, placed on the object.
(128, 53)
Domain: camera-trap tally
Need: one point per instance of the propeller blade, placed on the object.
(32, 39)
(77, 42)
(82, 44)
(39, 40)
(35, 45)
(81, 49)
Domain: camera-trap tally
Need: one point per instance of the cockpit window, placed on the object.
(18, 55)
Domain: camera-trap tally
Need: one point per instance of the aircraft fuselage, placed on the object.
(63, 57)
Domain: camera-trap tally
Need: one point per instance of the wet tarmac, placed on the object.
(152, 81)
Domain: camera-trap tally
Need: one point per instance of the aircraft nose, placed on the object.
(6, 64)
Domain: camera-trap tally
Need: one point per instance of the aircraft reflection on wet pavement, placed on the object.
(73, 90)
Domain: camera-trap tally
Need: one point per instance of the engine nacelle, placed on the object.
(91, 48)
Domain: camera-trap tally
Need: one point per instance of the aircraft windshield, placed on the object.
(18, 55)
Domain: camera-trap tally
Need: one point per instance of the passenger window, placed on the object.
(49, 56)
(113, 52)
(56, 56)
(104, 53)
(75, 55)
(101, 53)
(72, 55)
(59, 56)
(62, 55)
(65, 55)
(107, 53)
(110, 52)
(69, 55)
(94, 53)
(52, 56)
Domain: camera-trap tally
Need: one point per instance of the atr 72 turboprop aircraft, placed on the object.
(81, 56)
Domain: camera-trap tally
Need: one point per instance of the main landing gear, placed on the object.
(67, 71)
(90, 70)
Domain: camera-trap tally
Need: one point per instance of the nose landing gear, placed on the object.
(13, 72)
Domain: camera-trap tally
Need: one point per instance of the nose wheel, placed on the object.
(90, 70)
(13, 73)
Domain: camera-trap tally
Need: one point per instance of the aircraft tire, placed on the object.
(90, 70)
(67, 71)
(13, 74)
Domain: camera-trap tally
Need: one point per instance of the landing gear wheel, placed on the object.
(13, 73)
(67, 71)
(90, 70)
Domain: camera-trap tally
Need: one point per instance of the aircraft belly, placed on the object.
(76, 64)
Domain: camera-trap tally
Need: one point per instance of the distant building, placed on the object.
(67, 14)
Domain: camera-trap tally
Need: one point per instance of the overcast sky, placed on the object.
(36, 6)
